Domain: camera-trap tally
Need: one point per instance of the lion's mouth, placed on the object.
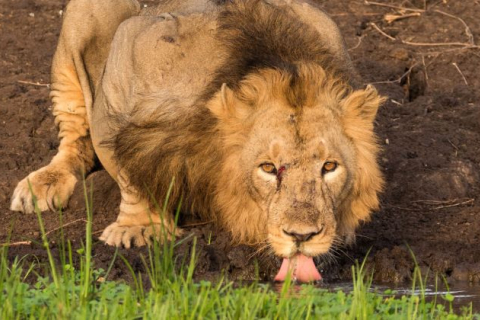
(300, 268)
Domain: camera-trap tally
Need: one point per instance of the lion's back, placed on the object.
(160, 58)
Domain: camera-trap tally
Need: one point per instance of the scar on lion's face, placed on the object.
(299, 173)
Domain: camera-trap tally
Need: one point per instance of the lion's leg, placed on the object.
(138, 223)
(53, 184)
(84, 43)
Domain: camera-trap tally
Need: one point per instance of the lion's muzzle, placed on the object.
(302, 236)
(309, 232)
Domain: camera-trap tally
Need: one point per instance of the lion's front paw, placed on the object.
(52, 189)
(137, 236)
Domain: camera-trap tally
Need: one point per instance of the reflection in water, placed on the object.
(464, 293)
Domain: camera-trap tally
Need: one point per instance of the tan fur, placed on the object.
(78, 62)
(205, 95)
(354, 110)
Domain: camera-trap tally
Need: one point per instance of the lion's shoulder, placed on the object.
(164, 57)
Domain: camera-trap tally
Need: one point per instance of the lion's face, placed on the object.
(299, 168)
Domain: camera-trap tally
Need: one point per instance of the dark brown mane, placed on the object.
(156, 152)
(259, 35)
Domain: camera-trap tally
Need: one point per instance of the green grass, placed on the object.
(83, 293)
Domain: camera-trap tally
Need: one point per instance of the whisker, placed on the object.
(345, 254)
(258, 252)
(327, 259)
(364, 236)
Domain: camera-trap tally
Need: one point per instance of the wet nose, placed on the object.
(302, 237)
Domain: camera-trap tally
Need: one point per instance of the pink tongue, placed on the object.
(301, 267)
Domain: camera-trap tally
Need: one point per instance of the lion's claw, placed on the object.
(136, 236)
(52, 189)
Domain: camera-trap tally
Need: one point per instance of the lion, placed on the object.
(249, 112)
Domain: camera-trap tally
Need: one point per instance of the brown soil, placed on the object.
(429, 130)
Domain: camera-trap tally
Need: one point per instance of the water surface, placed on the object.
(464, 293)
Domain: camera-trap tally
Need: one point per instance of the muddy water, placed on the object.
(464, 293)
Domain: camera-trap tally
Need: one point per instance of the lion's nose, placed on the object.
(302, 237)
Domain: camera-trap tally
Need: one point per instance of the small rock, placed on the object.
(467, 272)
(400, 54)
(31, 14)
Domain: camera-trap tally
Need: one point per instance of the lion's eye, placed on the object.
(329, 166)
(268, 168)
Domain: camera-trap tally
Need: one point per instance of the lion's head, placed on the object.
(300, 159)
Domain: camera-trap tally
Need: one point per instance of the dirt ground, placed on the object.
(426, 62)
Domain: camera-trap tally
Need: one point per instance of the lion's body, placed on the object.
(175, 91)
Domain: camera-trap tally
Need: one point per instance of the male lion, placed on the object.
(250, 106)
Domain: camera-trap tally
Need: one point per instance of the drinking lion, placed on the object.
(251, 107)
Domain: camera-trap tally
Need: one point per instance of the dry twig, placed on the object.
(468, 31)
(454, 204)
(392, 6)
(441, 44)
(399, 80)
(396, 102)
(37, 84)
(14, 244)
(425, 68)
(358, 43)
(394, 17)
(381, 31)
(364, 14)
(461, 73)
(65, 225)
(404, 208)
(454, 147)
(442, 204)
(27, 243)
(439, 204)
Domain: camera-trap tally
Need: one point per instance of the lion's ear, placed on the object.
(359, 111)
(226, 106)
(362, 105)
